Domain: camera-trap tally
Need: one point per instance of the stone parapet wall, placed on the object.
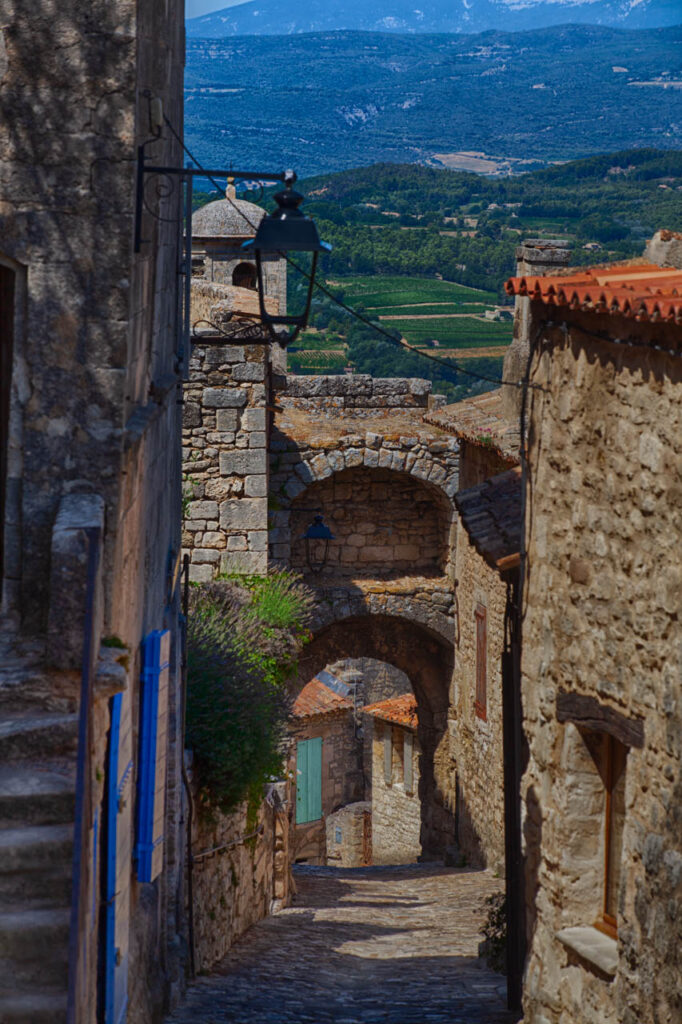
(354, 392)
(225, 460)
(242, 881)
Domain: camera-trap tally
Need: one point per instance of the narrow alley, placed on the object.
(391, 945)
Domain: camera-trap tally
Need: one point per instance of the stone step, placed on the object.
(36, 795)
(35, 848)
(34, 948)
(37, 889)
(33, 1007)
(35, 735)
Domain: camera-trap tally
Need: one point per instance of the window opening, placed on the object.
(244, 276)
(615, 754)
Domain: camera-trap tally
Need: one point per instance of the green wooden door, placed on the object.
(309, 780)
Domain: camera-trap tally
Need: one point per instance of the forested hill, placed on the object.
(406, 219)
(496, 102)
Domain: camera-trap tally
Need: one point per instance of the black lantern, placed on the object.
(317, 538)
(286, 230)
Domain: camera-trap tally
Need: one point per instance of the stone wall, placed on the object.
(353, 393)
(240, 874)
(225, 460)
(383, 523)
(349, 836)
(476, 739)
(342, 777)
(602, 598)
(396, 808)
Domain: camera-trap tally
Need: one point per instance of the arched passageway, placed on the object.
(427, 660)
(244, 276)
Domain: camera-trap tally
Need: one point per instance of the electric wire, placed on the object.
(450, 366)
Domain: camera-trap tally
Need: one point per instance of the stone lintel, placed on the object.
(587, 713)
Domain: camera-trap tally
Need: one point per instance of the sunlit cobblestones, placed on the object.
(363, 946)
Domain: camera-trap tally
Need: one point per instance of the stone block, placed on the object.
(200, 555)
(227, 419)
(257, 439)
(253, 419)
(256, 486)
(371, 457)
(200, 573)
(320, 467)
(191, 414)
(237, 543)
(304, 471)
(336, 461)
(202, 509)
(213, 539)
(224, 398)
(251, 372)
(294, 487)
(258, 540)
(243, 462)
(247, 562)
(353, 457)
(244, 514)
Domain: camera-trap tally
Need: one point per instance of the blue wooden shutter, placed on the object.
(117, 869)
(408, 771)
(309, 780)
(151, 802)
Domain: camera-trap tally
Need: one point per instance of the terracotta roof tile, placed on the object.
(480, 421)
(491, 515)
(318, 698)
(397, 710)
(642, 291)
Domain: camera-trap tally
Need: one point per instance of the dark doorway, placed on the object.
(7, 287)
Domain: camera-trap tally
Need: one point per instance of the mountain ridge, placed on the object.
(275, 17)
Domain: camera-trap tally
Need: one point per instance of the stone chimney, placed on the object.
(533, 257)
(665, 249)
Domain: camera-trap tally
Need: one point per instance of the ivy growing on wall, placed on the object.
(244, 636)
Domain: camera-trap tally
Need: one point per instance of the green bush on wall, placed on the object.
(243, 640)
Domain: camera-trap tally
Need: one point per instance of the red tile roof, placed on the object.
(643, 291)
(317, 699)
(397, 710)
(491, 515)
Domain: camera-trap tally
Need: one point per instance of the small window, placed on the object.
(408, 769)
(388, 755)
(480, 704)
(244, 276)
(613, 767)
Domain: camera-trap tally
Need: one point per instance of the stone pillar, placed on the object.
(225, 460)
(533, 257)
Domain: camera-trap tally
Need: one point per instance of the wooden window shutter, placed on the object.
(480, 703)
(408, 770)
(151, 803)
(309, 780)
(388, 755)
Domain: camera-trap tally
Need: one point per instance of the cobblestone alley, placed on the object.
(363, 946)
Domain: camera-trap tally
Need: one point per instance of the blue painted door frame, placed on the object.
(115, 965)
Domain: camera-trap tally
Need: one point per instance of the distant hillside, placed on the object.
(280, 17)
(331, 101)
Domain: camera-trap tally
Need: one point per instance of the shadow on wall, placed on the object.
(427, 659)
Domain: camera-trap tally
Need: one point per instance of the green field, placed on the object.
(419, 309)
(463, 332)
(374, 292)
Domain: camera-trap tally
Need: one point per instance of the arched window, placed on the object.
(244, 276)
(7, 287)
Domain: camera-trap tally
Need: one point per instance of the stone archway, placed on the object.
(426, 657)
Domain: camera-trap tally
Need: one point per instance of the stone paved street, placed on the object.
(364, 946)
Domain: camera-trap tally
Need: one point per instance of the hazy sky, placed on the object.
(193, 8)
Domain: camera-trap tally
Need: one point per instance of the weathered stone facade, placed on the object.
(225, 460)
(93, 469)
(601, 623)
(349, 836)
(396, 814)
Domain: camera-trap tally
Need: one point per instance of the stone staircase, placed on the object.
(37, 791)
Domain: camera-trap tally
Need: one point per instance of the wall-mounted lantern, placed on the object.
(317, 538)
(288, 229)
